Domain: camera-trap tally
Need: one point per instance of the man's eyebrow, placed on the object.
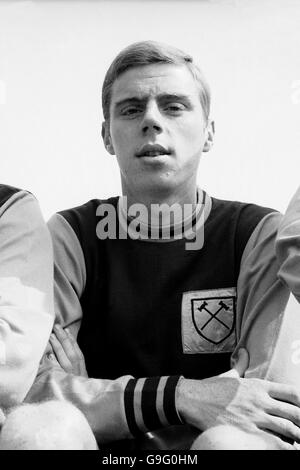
(160, 97)
(132, 100)
(174, 97)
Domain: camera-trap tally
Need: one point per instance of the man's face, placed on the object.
(157, 129)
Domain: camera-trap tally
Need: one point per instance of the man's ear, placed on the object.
(106, 138)
(209, 136)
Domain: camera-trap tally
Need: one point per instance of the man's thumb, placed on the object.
(241, 362)
(239, 365)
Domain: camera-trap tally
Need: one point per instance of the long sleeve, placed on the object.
(268, 322)
(26, 295)
(115, 409)
(288, 246)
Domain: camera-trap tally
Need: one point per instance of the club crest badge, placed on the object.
(208, 321)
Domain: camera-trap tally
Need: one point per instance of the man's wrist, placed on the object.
(185, 396)
(150, 403)
(178, 398)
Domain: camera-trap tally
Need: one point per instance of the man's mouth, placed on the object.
(153, 150)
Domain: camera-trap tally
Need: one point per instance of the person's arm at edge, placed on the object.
(26, 295)
(288, 246)
(268, 322)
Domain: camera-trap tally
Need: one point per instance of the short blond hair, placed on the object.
(144, 53)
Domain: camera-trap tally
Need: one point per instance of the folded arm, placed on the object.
(116, 409)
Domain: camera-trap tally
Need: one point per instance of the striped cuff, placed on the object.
(150, 403)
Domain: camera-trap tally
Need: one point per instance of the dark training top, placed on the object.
(147, 312)
(132, 300)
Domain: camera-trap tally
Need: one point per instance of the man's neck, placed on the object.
(158, 205)
(181, 197)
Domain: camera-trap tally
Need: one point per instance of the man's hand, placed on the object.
(239, 366)
(253, 405)
(67, 351)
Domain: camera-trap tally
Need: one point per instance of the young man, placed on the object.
(26, 320)
(158, 316)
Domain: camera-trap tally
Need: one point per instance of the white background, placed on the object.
(53, 57)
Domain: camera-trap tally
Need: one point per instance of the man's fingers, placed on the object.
(66, 343)
(283, 392)
(285, 410)
(283, 427)
(76, 348)
(279, 444)
(60, 353)
(272, 441)
(241, 363)
(78, 352)
(69, 351)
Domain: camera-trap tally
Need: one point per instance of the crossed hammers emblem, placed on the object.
(213, 316)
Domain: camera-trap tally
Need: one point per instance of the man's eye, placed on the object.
(174, 107)
(131, 111)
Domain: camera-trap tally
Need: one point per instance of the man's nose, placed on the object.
(152, 119)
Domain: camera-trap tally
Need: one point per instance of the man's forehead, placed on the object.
(157, 79)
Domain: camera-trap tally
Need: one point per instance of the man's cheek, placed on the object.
(193, 136)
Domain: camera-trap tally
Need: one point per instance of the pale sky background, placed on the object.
(53, 57)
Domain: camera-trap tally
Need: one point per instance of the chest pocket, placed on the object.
(208, 319)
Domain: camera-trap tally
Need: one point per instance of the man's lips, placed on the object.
(153, 151)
